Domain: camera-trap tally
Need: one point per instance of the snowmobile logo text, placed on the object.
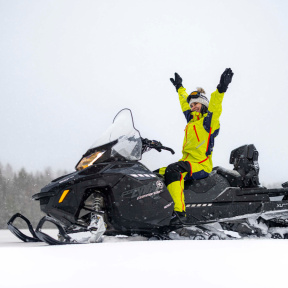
(142, 192)
(150, 194)
(281, 205)
(66, 179)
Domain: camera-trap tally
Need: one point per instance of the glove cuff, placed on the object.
(222, 88)
(178, 86)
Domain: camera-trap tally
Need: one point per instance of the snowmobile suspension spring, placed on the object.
(98, 202)
(95, 202)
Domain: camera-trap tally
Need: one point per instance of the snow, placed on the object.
(120, 262)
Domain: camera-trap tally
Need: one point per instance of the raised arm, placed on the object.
(215, 104)
(177, 82)
(215, 107)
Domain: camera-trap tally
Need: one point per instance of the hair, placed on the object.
(201, 90)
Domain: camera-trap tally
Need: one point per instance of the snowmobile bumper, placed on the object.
(18, 233)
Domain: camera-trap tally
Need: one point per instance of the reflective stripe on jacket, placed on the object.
(200, 130)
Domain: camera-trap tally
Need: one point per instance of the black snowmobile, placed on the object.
(112, 193)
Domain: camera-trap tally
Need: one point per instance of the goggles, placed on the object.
(195, 95)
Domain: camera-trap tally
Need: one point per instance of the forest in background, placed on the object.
(17, 187)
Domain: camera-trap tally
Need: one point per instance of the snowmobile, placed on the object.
(112, 193)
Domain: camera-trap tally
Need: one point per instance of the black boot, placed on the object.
(178, 218)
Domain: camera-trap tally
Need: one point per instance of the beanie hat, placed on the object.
(198, 97)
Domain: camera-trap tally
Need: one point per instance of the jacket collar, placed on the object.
(196, 116)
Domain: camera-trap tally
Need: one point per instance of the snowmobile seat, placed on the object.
(232, 176)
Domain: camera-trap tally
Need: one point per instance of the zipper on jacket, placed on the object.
(196, 133)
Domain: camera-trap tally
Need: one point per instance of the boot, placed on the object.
(178, 218)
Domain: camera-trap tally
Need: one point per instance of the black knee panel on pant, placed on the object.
(174, 170)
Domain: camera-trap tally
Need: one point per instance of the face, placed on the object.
(196, 107)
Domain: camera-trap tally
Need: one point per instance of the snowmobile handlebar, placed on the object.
(168, 149)
(147, 145)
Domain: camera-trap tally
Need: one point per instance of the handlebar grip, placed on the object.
(168, 149)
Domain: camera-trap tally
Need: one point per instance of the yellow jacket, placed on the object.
(201, 130)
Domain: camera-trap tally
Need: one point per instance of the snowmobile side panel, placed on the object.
(144, 203)
(212, 212)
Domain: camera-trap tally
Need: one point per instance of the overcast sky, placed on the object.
(67, 67)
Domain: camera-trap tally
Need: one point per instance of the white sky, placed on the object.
(67, 67)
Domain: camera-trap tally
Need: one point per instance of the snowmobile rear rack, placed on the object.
(18, 233)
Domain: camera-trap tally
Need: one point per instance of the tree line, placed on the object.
(16, 189)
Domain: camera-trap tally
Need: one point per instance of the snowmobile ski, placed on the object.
(18, 233)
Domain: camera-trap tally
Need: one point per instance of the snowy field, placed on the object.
(123, 263)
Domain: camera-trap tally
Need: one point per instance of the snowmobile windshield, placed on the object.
(123, 137)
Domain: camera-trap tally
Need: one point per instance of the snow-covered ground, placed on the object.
(123, 263)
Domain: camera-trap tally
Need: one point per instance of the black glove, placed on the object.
(225, 80)
(177, 82)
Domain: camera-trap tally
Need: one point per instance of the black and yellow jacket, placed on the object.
(200, 131)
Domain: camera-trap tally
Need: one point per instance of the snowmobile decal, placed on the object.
(168, 205)
(150, 194)
(282, 205)
(159, 184)
(66, 179)
(198, 205)
(151, 189)
(143, 175)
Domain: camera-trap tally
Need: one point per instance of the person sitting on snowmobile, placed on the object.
(202, 128)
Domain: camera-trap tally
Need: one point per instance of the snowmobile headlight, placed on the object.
(89, 160)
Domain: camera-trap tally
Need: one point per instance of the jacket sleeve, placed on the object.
(215, 105)
(214, 112)
(183, 102)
